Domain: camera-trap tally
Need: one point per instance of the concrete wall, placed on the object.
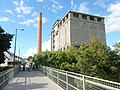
(76, 28)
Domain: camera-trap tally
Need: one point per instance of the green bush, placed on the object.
(3, 68)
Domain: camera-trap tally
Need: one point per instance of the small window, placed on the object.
(84, 16)
(53, 36)
(53, 46)
(92, 18)
(53, 41)
(76, 15)
(66, 16)
(98, 19)
(58, 25)
(63, 20)
(56, 33)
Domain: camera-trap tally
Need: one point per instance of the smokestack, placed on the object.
(39, 34)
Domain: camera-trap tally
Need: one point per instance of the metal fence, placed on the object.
(74, 81)
(7, 76)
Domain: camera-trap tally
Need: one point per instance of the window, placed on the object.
(76, 15)
(53, 46)
(92, 18)
(98, 19)
(63, 20)
(53, 41)
(84, 16)
(53, 36)
(76, 46)
(66, 16)
(63, 48)
(56, 32)
(58, 25)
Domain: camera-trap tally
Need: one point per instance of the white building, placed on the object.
(75, 28)
(9, 59)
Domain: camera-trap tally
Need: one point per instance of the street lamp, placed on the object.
(15, 45)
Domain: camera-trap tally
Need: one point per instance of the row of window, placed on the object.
(64, 19)
(84, 16)
(61, 48)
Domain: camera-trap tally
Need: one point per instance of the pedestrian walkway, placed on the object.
(33, 80)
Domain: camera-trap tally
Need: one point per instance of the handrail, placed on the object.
(7, 76)
(73, 81)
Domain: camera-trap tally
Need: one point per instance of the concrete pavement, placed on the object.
(33, 80)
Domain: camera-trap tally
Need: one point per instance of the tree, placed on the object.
(117, 47)
(5, 39)
(96, 59)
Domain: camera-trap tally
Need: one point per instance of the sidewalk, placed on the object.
(33, 80)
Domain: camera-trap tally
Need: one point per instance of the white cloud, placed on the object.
(118, 41)
(22, 8)
(39, 0)
(33, 22)
(111, 47)
(113, 19)
(27, 22)
(34, 14)
(72, 3)
(22, 16)
(4, 19)
(56, 6)
(100, 3)
(44, 20)
(15, 2)
(46, 45)
(9, 11)
(32, 51)
(83, 7)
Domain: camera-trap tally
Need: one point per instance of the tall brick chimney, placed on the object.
(39, 34)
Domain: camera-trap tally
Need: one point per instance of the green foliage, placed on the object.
(5, 39)
(96, 59)
(92, 58)
(3, 68)
(117, 47)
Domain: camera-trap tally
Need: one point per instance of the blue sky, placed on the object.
(17, 14)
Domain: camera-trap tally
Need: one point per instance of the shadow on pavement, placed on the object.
(24, 81)
(20, 86)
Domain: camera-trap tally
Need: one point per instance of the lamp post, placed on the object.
(15, 45)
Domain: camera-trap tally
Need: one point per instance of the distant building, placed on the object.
(9, 59)
(76, 28)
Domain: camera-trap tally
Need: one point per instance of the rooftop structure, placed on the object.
(75, 28)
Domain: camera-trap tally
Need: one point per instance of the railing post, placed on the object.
(48, 72)
(40, 69)
(3, 83)
(83, 82)
(52, 73)
(66, 80)
(57, 76)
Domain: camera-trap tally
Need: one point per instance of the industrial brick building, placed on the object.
(75, 28)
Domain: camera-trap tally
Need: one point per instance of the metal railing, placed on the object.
(7, 76)
(73, 81)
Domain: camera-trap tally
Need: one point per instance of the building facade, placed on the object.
(75, 28)
(9, 59)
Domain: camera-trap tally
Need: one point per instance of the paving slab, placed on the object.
(33, 80)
